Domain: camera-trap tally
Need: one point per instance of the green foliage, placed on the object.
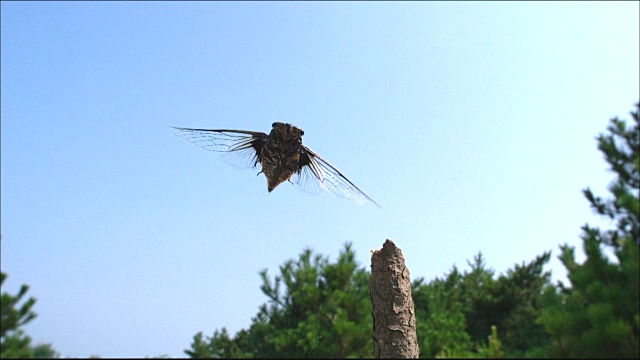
(621, 150)
(13, 317)
(14, 343)
(455, 316)
(598, 315)
(493, 347)
(45, 351)
(315, 309)
(322, 309)
(520, 294)
(439, 319)
(218, 346)
(200, 348)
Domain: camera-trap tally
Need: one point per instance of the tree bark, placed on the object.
(394, 320)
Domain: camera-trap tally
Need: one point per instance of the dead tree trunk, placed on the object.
(394, 320)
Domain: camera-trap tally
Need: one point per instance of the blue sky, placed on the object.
(471, 124)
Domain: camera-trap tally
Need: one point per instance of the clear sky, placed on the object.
(471, 124)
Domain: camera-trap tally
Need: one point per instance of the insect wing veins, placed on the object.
(316, 174)
(242, 148)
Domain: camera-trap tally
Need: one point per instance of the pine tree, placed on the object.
(316, 309)
(14, 343)
(456, 315)
(598, 315)
(440, 322)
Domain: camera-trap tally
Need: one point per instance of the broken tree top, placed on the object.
(394, 321)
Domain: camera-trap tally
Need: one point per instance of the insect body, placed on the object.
(281, 155)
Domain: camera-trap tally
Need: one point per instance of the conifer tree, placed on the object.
(598, 315)
(14, 343)
(316, 309)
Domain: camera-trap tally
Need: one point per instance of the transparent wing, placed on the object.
(316, 175)
(241, 148)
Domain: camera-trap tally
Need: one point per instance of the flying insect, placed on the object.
(281, 156)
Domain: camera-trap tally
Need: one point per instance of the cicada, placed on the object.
(281, 156)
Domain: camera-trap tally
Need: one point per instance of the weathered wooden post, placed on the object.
(394, 319)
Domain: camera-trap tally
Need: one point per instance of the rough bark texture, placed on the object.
(394, 320)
